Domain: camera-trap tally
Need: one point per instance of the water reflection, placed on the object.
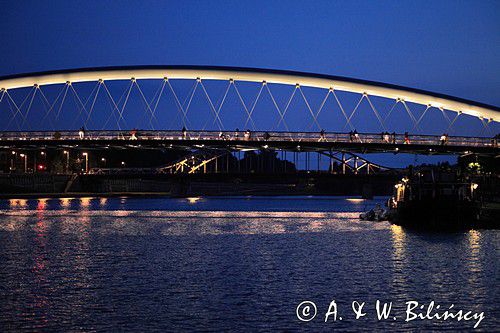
(475, 263)
(85, 202)
(39, 269)
(65, 202)
(90, 264)
(399, 261)
(199, 222)
(18, 203)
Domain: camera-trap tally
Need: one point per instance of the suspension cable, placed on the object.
(354, 111)
(243, 103)
(255, 103)
(421, 117)
(309, 107)
(342, 109)
(282, 114)
(376, 112)
(320, 107)
(83, 108)
(211, 105)
(34, 90)
(93, 103)
(62, 102)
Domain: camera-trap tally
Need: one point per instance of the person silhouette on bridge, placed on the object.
(236, 133)
(494, 141)
(407, 138)
(393, 137)
(133, 134)
(356, 135)
(385, 137)
(266, 136)
(322, 136)
(248, 135)
(222, 136)
(81, 133)
(443, 139)
(184, 132)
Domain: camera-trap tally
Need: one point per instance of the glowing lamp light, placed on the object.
(193, 200)
(355, 200)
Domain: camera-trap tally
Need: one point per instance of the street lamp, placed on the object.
(86, 162)
(12, 160)
(123, 164)
(23, 156)
(67, 159)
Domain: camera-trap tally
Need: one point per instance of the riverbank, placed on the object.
(46, 185)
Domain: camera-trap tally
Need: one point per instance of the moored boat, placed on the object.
(440, 201)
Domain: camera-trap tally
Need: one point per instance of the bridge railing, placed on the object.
(250, 136)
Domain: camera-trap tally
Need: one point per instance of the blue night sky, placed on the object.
(450, 47)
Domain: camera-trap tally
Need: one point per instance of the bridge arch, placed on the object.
(417, 96)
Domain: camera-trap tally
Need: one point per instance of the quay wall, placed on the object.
(12, 185)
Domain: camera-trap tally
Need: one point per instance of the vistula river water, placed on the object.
(234, 264)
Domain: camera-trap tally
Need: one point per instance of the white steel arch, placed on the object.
(489, 113)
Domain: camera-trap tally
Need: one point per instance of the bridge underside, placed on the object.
(244, 145)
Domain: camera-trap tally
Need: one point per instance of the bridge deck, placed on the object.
(292, 141)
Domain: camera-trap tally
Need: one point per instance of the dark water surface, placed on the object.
(231, 264)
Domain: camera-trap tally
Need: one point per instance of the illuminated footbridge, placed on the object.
(230, 110)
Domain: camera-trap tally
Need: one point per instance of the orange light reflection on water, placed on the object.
(85, 202)
(18, 203)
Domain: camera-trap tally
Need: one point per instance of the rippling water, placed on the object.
(230, 264)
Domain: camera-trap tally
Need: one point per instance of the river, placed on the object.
(232, 264)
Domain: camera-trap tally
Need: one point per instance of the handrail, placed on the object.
(260, 136)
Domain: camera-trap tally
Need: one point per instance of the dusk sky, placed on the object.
(451, 47)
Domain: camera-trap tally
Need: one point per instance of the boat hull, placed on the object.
(437, 214)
